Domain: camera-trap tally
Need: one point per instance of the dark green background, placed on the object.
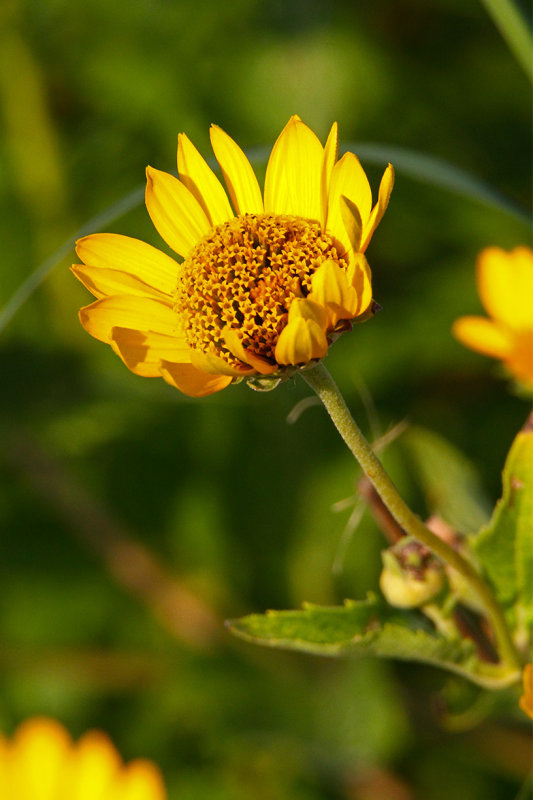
(233, 502)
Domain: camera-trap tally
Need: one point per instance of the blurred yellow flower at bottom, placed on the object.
(505, 285)
(41, 762)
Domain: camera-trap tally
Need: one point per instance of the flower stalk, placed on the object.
(319, 379)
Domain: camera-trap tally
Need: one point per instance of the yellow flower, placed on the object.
(505, 285)
(266, 283)
(526, 701)
(42, 762)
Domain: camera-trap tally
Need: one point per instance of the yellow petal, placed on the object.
(175, 212)
(385, 189)
(235, 346)
(103, 282)
(505, 282)
(308, 309)
(128, 311)
(293, 182)
(348, 179)
(360, 277)
(238, 174)
(303, 338)
(331, 152)
(353, 224)
(40, 752)
(331, 288)
(202, 182)
(520, 361)
(145, 369)
(125, 254)
(483, 335)
(141, 780)
(142, 351)
(93, 768)
(191, 381)
(215, 365)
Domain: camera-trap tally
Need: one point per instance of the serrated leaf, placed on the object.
(450, 483)
(364, 628)
(504, 547)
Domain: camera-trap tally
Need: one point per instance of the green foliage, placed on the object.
(450, 483)
(504, 547)
(364, 628)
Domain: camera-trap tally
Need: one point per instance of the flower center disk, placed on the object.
(245, 275)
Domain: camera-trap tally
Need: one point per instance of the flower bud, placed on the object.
(411, 575)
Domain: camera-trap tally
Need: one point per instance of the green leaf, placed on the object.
(504, 547)
(364, 628)
(514, 28)
(449, 481)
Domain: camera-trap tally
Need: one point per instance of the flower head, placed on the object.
(505, 285)
(41, 762)
(266, 282)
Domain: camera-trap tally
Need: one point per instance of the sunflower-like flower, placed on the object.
(267, 282)
(41, 762)
(505, 286)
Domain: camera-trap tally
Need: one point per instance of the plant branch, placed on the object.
(319, 379)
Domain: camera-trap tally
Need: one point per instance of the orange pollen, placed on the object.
(245, 275)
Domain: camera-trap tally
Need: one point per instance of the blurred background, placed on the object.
(136, 520)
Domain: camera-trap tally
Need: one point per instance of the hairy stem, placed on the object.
(323, 384)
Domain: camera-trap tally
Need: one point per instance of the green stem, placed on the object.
(514, 29)
(323, 384)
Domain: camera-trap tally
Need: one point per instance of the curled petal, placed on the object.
(360, 277)
(353, 224)
(385, 189)
(331, 288)
(348, 179)
(303, 338)
(308, 309)
(234, 344)
(331, 152)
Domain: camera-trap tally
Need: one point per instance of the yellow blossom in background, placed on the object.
(41, 762)
(505, 285)
(267, 281)
(526, 701)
